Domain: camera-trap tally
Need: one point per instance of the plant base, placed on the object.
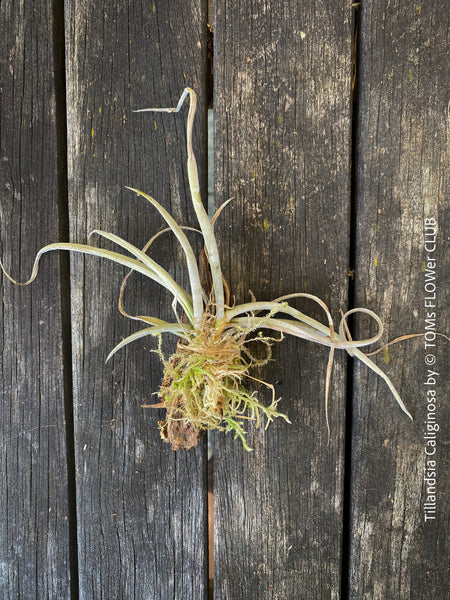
(202, 388)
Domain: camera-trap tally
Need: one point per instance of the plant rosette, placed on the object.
(204, 381)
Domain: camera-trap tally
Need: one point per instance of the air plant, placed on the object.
(203, 385)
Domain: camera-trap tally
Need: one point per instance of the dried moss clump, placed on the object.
(203, 386)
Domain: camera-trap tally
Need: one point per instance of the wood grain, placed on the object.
(283, 127)
(283, 150)
(142, 509)
(403, 180)
(34, 533)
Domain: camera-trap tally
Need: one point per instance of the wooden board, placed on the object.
(34, 525)
(101, 508)
(142, 509)
(282, 101)
(403, 181)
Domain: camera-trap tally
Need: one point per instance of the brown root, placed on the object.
(180, 433)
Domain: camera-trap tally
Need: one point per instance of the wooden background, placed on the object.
(332, 134)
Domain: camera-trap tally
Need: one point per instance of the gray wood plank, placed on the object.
(142, 511)
(283, 128)
(403, 181)
(34, 534)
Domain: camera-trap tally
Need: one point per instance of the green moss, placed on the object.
(203, 385)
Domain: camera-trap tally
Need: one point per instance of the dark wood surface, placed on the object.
(142, 509)
(34, 523)
(403, 160)
(282, 83)
(92, 503)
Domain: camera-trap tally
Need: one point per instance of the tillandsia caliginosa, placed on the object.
(203, 385)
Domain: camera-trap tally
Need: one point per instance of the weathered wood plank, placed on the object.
(141, 507)
(403, 180)
(282, 107)
(34, 535)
